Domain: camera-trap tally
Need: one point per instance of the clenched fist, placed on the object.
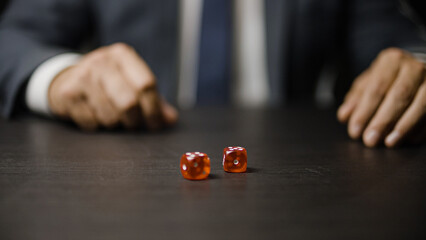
(110, 86)
(387, 103)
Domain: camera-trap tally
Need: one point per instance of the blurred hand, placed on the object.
(110, 86)
(387, 102)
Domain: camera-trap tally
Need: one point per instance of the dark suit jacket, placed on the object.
(302, 35)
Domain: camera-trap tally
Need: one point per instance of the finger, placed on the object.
(140, 76)
(134, 68)
(346, 109)
(384, 72)
(414, 114)
(169, 112)
(396, 101)
(105, 112)
(60, 91)
(352, 98)
(132, 118)
(151, 108)
(72, 100)
(117, 89)
(82, 115)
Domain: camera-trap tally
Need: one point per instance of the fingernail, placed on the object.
(392, 138)
(371, 138)
(355, 131)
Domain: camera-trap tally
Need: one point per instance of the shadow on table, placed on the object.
(253, 170)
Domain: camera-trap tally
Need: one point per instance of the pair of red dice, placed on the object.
(196, 165)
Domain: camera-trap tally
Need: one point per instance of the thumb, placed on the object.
(170, 113)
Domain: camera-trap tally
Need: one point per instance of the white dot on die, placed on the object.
(184, 167)
(195, 164)
(236, 162)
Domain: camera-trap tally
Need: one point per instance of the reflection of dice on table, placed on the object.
(234, 159)
(195, 165)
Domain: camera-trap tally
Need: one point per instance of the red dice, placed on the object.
(234, 159)
(195, 165)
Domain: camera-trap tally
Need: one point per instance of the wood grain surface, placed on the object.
(306, 180)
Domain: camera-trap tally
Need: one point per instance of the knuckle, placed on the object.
(377, 90)
(361, 115)
(357, 82)
(354, 94)
(378, 123)
(392, 52)
(127, 102)
(120, 48)
(418, 66)
(147, 83)
(83, 76)
(404, 94)
(97, 58)
(69, 92)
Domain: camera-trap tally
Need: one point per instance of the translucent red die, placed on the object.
(234, 159)
(195, 165)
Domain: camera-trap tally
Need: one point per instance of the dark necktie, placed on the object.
(214, 54)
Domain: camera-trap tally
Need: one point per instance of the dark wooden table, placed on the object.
(306, 180)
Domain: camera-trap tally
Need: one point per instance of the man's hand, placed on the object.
(109, 86)
(387, 102)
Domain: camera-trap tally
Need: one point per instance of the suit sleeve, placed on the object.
(32, 31)
(372, 26)
(376, 25)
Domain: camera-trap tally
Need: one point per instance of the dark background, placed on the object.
(3, 4)
(419, 9)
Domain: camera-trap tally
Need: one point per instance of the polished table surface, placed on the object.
(306, 180)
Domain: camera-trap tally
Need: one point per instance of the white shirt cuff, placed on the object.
(36, 95)
(420, 56)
